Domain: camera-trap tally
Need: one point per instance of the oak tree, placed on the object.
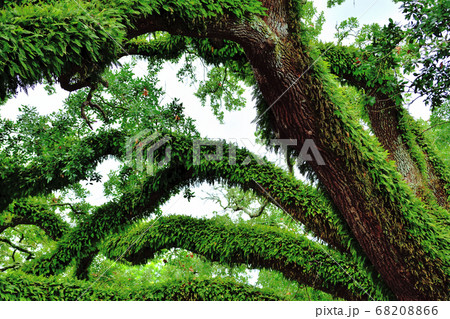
(377, 210)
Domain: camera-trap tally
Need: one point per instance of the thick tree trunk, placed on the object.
(301, 109)
(385, 117)
(296, 117)
(395, 129)
(385, 218)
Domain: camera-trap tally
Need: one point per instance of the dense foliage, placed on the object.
(371, 223)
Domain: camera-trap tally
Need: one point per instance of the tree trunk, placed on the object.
(385, 117)
(360, 180)
(395, 129)
(302, 109)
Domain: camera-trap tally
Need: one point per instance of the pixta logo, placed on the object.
(141, 149)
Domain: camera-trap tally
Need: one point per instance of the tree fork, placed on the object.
(304, 111)
(388, 122)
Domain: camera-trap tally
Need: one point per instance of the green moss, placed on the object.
(303, 202)
(45, 41)
(19, 286)
(32, 212)
(296, 256)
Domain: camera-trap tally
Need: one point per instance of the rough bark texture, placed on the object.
(301, 109)
(82, 266)
(386, 118)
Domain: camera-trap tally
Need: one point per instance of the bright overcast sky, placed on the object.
(237, 125)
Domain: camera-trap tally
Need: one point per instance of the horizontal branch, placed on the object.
(15, 247)
(296, 256)
(19, 286)
(13, 266)
(90, 35)
(56, 172)
(211, 51)
(302, 202)
(29, 212)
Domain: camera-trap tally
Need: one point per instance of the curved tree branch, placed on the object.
(396, 130)
(28, 212)
(21, 249)
(299, 200)
(381, 211)
(297, 257)
(18, 181)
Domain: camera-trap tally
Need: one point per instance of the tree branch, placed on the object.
(297, 199)
(257, 246)
(21, 249)
(31, 181)
(20, 286)
(29, 212)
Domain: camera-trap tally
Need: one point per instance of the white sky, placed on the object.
(237, 125)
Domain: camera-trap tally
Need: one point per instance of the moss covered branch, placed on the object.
(19, 286)
(90, 35)
(296, 256)
(394, 127)
(302, 202)
(50, 173)
(32, 212)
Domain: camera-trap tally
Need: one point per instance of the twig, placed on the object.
(7, 241)
(13, 266)
(438, 124)
(68, 204)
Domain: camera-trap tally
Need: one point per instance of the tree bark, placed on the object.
(380, 209)
(302, 109)
(394, 128)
